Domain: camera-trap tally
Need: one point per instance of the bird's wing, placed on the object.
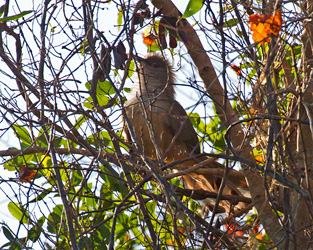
(177, 122)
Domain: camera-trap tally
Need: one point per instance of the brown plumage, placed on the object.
(153, 105)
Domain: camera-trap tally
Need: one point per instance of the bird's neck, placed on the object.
(155, 88)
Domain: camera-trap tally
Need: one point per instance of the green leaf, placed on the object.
(41, 139)
(88, 103)
(83, 48)
(22, 134)
(11, 164)
(46, 162)
(80, 121)
(176, 182)
(127, 90)
(113, 183)
(2, 8)
(193, 7)
(102, 100)
(138, 233)
(88, 85)
(215, 133)
(252, 73)
(85, 243)
(77, 177)
(18, 212)
(6, 246)
(41, 196)
(64, 173)
(7, 234)
(101, 139)
(131, 69)
(105, 138)
(297, 50)
(17, 245)
(120, 18)
(195, 119)
(153, 48)
(54, 219)
(14, 163)
(15, 17)
(105, 88)
(247, 65)
(151, 208)
(105, 233)
(197, 122)
(230, 23)
(35, 231)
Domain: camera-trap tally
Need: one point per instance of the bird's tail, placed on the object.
(209, 178)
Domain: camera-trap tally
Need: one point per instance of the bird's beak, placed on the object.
(138, 58)
(139, 62)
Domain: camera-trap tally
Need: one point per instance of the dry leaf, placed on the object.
(236, 69)
(173, 42)
(26, 174)
(263, 26)
(162, 36)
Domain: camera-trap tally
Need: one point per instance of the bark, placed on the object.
(302, 209)
(223, 107)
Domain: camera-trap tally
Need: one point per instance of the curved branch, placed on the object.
(227, 116)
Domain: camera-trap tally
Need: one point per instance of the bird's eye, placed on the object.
(154, 65)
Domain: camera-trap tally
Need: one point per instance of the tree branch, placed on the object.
(227, 116)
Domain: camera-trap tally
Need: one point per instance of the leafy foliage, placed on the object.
(72, 181)
(193, 7)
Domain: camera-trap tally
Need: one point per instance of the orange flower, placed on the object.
(259, 159)
(148, 37)
(262, 26)
(258, 235)
(231, 228)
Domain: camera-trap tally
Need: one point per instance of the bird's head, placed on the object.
(156, 76)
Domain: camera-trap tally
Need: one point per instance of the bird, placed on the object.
(164, 130)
